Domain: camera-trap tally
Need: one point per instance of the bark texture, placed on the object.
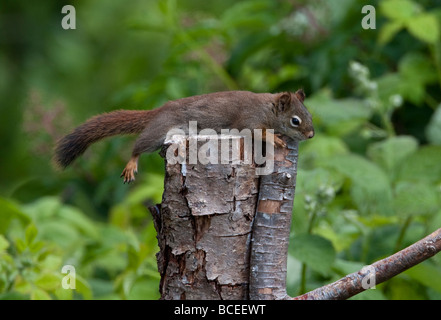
(223, 231)
(204, 226)
(272, 225)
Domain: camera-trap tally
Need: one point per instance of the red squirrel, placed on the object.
(282, 112)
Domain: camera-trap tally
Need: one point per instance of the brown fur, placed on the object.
(97, 128)
(219, 110)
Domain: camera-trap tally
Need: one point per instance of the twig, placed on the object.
(385, 269)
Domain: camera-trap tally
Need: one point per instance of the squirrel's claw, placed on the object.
(129, 175)
(278, 141)
(274, 138)
(130, 170)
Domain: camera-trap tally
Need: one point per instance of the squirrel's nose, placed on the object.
(310, 134)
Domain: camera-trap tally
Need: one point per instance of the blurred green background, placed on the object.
(369, 183)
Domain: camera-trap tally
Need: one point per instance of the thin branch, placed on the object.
(385, 269)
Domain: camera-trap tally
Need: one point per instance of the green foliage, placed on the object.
(315, 251)
(368, 183)
(111, 260)
(433, 130)
(409, 14)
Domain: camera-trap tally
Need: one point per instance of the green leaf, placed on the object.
(422, 165)
(76, 219)
(31, 233)
(39, 294)
(133, 257)
(344, 267)
(120, 215)
(389, 30)
(371, 294)
(4, 244)
(388, 85)
(425, 27)
(63, 294)
(246, 48)
(400, 288)
(59, 232)
(433, 130)
(417, 67)
(247, 14)
(426, 274)
(9, 211)
(416, 198)
(286, 73)
(45, 207)
(48, 281)
(82, 287)
(338, 116)
(20, 245)
(412, 91)
(390, 153)
(312, 180)
(416, 71)
(14, 295)
(144, 288)
(315, 251)
(401, 10)
(51, 262)
(370, 188)
(317, 151)
(151, 190)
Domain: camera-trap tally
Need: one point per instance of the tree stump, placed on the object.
(205, 221)
(223, 231)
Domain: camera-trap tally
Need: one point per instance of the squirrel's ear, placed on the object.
(300, 94)
(284, 101)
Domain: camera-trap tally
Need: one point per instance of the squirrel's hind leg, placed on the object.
(130, 170)
(149, 141)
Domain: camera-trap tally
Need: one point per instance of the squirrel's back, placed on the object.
(283, 112)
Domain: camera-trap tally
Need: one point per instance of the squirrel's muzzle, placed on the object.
(309, 134)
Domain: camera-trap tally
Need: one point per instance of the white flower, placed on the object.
(396, 100)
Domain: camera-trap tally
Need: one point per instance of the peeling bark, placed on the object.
(204, 227)
(223, 233)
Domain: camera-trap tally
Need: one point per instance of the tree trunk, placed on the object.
(205, 221)
(272, 225)
(223, 231)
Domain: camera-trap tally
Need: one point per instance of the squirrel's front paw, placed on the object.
(278, 141)
(129, 171)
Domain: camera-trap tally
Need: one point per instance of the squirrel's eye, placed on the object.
(295, 121)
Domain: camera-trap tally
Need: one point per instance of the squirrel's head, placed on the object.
(294, 120)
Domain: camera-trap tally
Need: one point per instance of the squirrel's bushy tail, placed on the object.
(97, 128)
